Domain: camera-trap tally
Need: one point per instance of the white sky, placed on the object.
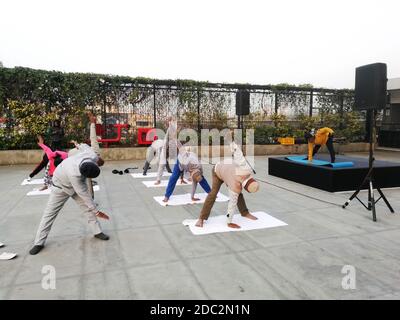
(249, 41)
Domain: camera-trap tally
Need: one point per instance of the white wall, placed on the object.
(393, 84)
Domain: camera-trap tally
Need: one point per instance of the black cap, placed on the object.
(89, 169)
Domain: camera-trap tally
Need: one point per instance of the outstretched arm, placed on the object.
(238, 157)
(49, 153)
(233, 199)
(93, 137)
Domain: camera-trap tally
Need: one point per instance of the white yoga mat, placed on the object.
(164, 183)
(36, 192)
(7, 256)
(182, 199)
(33, 181)
(149, 175)
(219, 223)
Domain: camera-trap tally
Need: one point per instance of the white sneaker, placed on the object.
(29, 179)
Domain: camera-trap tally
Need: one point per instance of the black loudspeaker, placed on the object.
(371, 86)
(242, 102)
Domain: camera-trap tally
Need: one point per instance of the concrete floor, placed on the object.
(151, 255)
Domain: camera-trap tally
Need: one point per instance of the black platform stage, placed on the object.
(386, 174)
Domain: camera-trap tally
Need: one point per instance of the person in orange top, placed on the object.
(323, 136)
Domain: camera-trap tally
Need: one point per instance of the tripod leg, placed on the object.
(367, 177)
(371, 200)
(384, 199)
(370, 194)
(351, 198)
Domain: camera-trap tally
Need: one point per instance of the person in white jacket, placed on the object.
(170, 148)
(70, 180)
(153, 153)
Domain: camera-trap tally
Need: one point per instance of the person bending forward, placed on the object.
(69, 180)
(323, 136)
(237, 176)
(187, 162)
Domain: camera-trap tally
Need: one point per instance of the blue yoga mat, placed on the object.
(303, 160)
(342, 164)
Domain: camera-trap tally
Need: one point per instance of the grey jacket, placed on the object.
(68, 177)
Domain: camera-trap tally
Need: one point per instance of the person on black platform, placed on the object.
(316, 139)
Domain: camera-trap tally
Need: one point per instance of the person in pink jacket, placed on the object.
(55, 158)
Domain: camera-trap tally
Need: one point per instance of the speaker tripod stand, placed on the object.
(369, 178)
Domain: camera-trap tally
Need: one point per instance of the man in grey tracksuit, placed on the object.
(70, 180)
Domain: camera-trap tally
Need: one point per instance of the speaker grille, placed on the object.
(242, 102)
(370, 87)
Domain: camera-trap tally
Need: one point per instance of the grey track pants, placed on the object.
(55, 203)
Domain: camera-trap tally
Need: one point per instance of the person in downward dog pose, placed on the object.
(153, 152)
(316, 139)
(236, 175)
(189, 163)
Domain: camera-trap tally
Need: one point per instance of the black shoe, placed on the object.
(36, 250)
(101, 236)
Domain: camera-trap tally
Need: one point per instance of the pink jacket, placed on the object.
(51, 155)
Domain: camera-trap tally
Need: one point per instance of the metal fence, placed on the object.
(274, 110)
(213, 106)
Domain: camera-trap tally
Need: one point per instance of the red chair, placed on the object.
(142, 135)
(100, 132)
